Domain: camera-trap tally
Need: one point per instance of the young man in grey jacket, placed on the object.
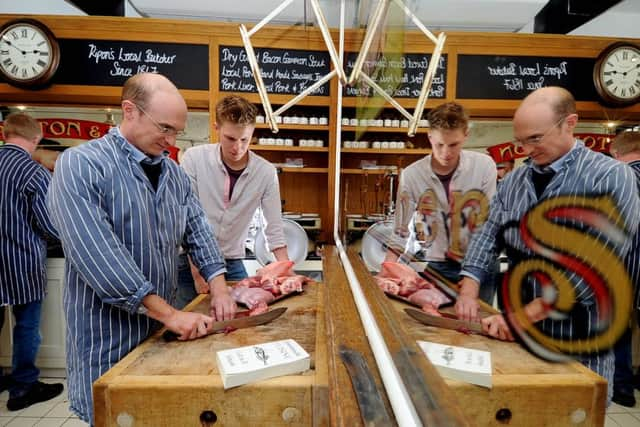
(232, 182)
(444, 197)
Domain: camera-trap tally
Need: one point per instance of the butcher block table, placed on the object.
(527, 391)
(177, 383)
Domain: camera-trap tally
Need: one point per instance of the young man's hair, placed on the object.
(448, 116)
(236, 110)
(626, 142)
(21, 125)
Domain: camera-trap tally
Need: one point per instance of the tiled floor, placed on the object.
(52, 413)
(55, 413)
(620, 416)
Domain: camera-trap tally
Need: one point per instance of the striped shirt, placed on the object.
(632, 261)
(580, 173)
(24, 226)
(121, 240)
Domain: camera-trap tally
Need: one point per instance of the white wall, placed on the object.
(620, 21)
(39, 7)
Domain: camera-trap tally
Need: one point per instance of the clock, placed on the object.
(616, 74)
(29, 53)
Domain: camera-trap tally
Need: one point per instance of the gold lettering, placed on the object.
(57, 128)
(74, 126)
(589, 142)
(473, 208)
(562, 253)
(94, 132)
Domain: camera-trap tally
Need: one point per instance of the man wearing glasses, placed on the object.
(122, 210)
(558, 165)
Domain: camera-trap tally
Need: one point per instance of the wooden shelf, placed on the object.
(381, 129)
(282, 126)
(293, 149)
(366, 171)
(304, 170)
(409, 151)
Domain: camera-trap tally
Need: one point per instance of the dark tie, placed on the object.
(541, 180)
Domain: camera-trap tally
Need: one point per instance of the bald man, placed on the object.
(122, 210)
(558, 165)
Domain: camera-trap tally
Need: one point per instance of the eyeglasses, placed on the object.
(164, 129)
(537, 139)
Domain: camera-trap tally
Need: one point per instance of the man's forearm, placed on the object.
(281, 253)
(218, 285)
(469, 287)
(158, 308)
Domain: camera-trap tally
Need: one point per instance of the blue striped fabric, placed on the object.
(583, 173)
(24, 225)
(121, 241)
(632, 261)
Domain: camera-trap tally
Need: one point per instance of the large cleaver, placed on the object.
(242, 320)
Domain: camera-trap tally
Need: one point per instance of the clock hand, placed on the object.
(15, 47)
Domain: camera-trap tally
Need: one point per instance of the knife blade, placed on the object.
(445, 322)
(242, 320)
(372, 409)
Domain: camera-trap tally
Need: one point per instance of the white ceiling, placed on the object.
(438, 15)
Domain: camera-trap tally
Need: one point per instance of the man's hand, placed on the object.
(497, 327)
(189, 325)
(467, 305)
(186, 324)
(223, 307)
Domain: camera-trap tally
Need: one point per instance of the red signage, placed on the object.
(68, 128)
(507, 151)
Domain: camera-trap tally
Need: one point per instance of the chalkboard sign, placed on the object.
(514, 77)
(112, 62)
(400, 77)
(284, 71)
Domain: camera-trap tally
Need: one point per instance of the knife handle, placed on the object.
(169, 336)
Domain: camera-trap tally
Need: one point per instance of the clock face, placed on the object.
(618, 74)
(28, 53)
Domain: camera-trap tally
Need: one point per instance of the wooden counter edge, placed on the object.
(434, 402)
(344, 327)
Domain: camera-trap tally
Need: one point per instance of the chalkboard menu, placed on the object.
(112, 62)
(514, 77)
(400, 77)
(284, 71)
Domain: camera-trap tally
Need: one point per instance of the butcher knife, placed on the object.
(446, 321)
(242, 320)
(372, 409)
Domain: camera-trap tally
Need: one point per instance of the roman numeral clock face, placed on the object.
(29, 53)
(617, 74)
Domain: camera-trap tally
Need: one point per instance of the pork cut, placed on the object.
(401, 280)
(271, 281)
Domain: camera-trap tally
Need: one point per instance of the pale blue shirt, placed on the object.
(580, 173)
(121, 240)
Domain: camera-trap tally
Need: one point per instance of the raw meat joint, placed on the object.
(275, 280)
(402, 281)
